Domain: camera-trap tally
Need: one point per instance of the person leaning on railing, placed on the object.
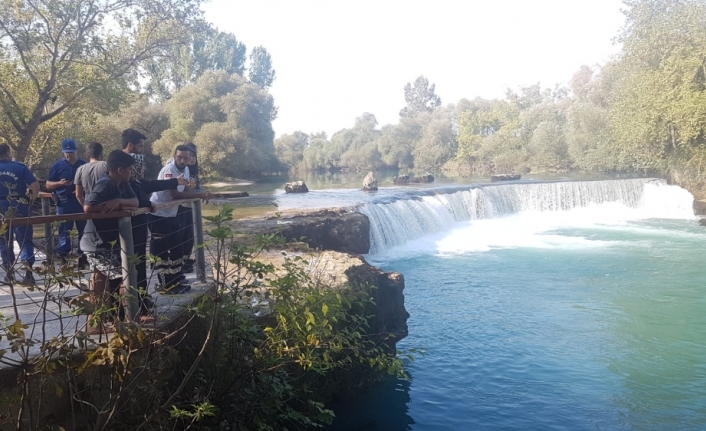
(101, 241)
(18, 189)
(185, 213)
(143, 188)
(167, 234)
(61, 183)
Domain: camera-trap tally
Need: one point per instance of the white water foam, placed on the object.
(521, 215)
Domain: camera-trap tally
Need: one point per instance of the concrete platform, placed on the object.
(48, 315)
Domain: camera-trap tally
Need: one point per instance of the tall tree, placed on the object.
(420, 97)
(53, 53)
(229, 118)
(261, 71)
(290, 148)
(207, 49)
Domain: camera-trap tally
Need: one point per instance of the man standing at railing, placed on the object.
(18, 189)
(61, 182)
(101, 241)
(167, 234)
(89, 174)
(133, 144)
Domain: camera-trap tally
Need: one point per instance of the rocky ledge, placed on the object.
(336, 238)
(337, 229)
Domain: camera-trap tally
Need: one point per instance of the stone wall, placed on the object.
(337, 229)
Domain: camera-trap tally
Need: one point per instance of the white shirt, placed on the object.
(167, 173)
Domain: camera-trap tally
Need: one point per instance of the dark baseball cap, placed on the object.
(68, 146)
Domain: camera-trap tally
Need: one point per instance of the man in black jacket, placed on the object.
(133, 143)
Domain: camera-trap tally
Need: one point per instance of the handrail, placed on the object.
(125, 234)
(22, 221)
(96, 216)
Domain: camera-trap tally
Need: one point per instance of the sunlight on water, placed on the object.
(504, 214)
(574, 306)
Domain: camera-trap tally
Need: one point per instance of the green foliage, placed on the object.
(261, 351)
(260, 70)
(207, 49)
(280, 335)
(420, 97)
(57, 53)
(290, 148)
(231, 121)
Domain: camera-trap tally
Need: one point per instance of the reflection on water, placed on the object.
(575, 337)
(362, 415)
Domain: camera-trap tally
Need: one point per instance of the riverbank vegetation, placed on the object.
(263, 349)
(644, 111)
(175, 78)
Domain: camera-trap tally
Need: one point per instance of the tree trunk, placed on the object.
(25, 141)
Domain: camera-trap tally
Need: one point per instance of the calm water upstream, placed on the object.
(576, 306)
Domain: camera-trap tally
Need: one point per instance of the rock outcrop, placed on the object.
(370, 184)
(296, 187)
(505, 177)
(327, 229)
(699, 207)
(406, 179)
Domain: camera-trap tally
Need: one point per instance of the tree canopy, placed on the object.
(420, 97)
(229, 119)
(56, 53)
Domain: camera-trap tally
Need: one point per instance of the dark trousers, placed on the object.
(23, 236)
(139, 238)
(69, 205)
(186, 223)
(166, 245)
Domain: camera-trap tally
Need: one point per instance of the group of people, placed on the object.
(98, 186)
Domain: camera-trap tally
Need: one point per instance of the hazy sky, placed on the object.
(338, 59)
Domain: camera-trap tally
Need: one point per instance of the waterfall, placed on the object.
(394, 223)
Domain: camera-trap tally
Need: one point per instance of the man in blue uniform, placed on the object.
(61, 182)
(18, 188)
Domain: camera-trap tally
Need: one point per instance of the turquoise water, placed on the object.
(581, 319)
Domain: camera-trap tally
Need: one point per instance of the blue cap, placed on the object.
(68, 146)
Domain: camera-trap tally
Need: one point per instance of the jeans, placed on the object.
(23, 236)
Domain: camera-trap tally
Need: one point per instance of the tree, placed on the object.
(229, 118)
(206, 49)
(290, 148)
(437, 143)
(261, 71)
(420, 97)
(56, 52)
(480, 120)
(659, 99)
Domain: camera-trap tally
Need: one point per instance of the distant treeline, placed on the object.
(175, 78)
(644, 111)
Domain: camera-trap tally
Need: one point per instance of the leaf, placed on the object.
(324, 309)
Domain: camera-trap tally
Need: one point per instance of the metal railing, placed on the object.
(125, 233)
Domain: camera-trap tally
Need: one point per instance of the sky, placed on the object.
(336, 60)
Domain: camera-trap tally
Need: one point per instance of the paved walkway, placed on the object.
(48, 315)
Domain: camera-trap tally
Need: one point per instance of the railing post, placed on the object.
(127, 254)
(198, 234)
(48, 232)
